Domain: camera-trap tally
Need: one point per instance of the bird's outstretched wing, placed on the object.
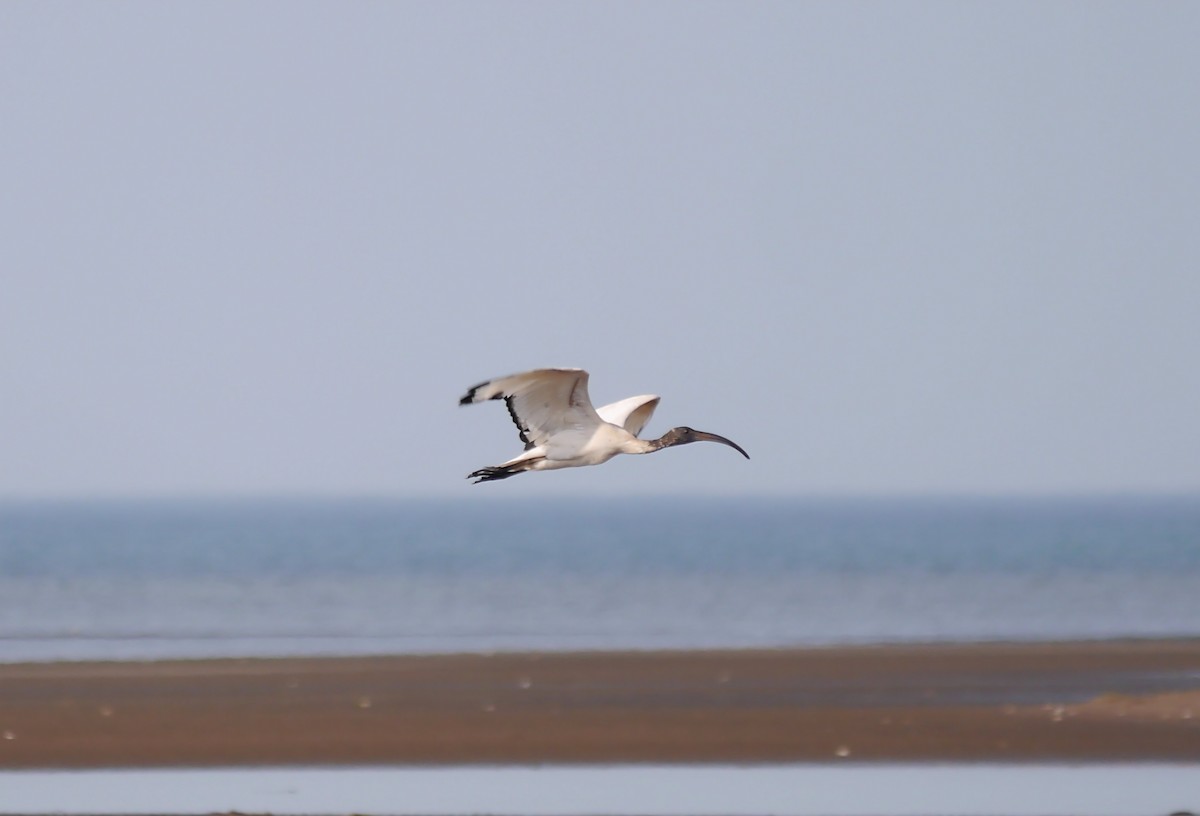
(631, 413)
(542, 403)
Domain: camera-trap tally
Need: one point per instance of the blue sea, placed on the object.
(164, 579)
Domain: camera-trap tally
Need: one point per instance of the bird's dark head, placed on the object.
(684, 435)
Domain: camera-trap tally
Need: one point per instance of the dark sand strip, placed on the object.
(1135, 700)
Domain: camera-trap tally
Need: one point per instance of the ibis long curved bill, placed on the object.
(705, 436)
(560, 428)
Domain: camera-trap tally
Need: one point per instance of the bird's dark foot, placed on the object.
(492, 474)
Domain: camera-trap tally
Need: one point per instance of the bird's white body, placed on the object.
(581, 447)
(560, 428)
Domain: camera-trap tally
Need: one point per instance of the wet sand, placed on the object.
(1129, 700)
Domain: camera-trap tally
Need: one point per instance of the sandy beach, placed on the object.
(1089, 701)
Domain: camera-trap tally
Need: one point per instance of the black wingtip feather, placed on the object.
(469, 397)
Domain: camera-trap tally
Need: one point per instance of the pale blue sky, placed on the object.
(890, 248)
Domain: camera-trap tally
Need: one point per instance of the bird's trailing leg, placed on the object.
(492, 474)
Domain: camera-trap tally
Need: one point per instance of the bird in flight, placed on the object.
(561, 429)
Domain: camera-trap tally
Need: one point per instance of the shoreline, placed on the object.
(1132, 640)
(1092, 701)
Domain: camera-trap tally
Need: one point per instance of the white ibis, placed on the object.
(561, 429)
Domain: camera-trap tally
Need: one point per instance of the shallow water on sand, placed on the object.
(784, 790)
(127, 580)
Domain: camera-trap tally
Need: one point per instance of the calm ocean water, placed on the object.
(191, 579)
